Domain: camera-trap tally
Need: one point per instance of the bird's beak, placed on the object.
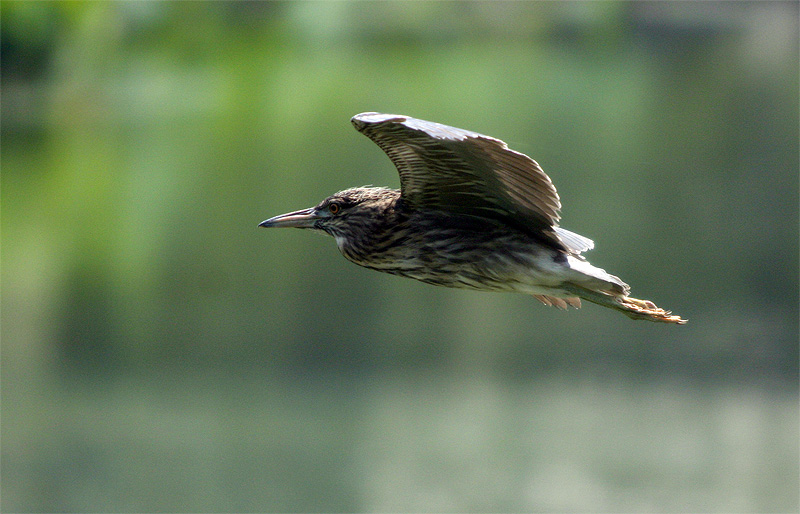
(303, 218)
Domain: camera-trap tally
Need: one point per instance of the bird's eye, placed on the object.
(334, 208)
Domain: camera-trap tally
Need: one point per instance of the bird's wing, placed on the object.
(464, 172)
(576, 243)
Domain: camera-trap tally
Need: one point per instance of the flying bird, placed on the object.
(470, 213)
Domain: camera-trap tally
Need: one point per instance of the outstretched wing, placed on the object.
(463, 172)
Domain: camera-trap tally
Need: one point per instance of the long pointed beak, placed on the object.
(303, 218)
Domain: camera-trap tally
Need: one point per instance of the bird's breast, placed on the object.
(490, 260)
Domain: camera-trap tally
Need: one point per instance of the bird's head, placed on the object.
(345, 215)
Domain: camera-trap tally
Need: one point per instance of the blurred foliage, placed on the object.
(142, 142)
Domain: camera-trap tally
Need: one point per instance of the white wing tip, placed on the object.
(366, 118)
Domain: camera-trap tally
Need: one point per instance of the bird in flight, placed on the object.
(470, 213)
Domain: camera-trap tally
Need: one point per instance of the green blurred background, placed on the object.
(161, 353)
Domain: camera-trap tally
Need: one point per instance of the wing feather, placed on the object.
(463, 172)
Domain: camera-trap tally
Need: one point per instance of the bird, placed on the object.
(471, 213)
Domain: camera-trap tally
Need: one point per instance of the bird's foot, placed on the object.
(645, 309)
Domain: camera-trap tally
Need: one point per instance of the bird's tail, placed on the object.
(631, 307)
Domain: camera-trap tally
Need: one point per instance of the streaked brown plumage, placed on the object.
(470, 213)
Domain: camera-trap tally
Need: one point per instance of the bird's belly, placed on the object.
(529, 273)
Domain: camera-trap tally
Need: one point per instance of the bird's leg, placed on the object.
(631, 307)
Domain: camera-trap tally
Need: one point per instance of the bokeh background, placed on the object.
(162, 353)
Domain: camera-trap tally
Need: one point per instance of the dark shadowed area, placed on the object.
(160, 353)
